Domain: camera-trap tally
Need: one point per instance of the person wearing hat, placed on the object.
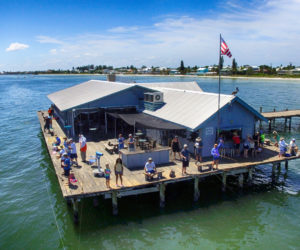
(293, 147)
(185, 157)
(216, 154)
(150, 169)
(198, 149)
(282, 147)
(276, 137)
(130, 143)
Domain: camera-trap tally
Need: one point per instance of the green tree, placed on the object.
(234, 66)
(181, 68)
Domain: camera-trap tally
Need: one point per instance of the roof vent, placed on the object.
(153, 101)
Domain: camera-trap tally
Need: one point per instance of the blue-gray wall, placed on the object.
(232, 116)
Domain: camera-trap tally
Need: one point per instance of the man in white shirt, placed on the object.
(150, 169)
(73, 151)
(293, 147)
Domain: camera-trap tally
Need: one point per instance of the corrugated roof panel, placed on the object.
(85, 92)
(174, 85)
(189, 108)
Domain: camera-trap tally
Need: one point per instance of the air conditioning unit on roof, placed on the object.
(154, 97)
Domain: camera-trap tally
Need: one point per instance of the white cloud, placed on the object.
(53, 51)
(17, 46)
(47, 39)
(259, 32)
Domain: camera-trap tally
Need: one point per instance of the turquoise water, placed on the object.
(33, 214)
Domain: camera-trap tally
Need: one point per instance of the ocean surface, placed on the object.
(33, 214)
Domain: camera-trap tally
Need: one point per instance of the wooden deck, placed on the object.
(281, 114)
(134, 180)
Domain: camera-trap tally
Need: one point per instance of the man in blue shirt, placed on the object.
(67, 165)
(185, 153)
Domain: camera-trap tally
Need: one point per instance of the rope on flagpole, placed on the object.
(219, 91)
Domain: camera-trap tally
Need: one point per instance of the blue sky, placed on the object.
(61, 34)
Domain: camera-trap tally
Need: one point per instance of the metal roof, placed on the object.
(188, 108)
(174, 85)
(85, 92)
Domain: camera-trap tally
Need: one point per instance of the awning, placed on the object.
(146, 121)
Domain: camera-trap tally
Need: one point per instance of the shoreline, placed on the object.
(186, 76)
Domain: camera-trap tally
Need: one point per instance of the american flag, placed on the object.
(224, 49)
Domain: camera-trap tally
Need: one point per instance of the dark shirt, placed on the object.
(186, 154)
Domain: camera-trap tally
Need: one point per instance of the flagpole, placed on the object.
(219, 92)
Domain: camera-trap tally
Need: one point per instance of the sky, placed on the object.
(41, 35)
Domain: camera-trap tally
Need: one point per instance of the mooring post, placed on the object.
(224, 181)
(114, 200)
(290, 123)
(250, 176)
(162, 189)
(286, 164)
(75, 210)
(241, 180)
(196, 189)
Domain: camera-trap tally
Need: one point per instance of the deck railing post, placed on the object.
(114, 200)
(224, 176)
(162, 189)
(241, 180)
(196, 189)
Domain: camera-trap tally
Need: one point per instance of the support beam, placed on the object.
(196, 189)
(278, 167)
(273, 171)
(286, 164)
(290, 123)
(241, 180)
(105, 115)
(285, 122)
(114, 200)
(224, 177)
(162, 189)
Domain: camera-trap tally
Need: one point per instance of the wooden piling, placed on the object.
(224, 177)
(285, 122)
(290, 123)
(286, 164)
(162, 189)
(278, 167)
(241, 180)
(196, 189)
(114, 200)
(75, 210)
(250, 176)
(273, 171)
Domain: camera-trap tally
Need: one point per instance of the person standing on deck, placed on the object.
(119, 171)
(67, 165)
(175, 145)
(276, 137)
(198, 149)
(293, 147)
(282, 147)
(72, 147)
(121, 143)
(130, 143)
(216, 155)
(83, 147)
(236, 141)
(185, 156)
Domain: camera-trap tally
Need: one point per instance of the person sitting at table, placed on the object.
(150, 169)
(58, 141)
(130, 143)
(121, 143)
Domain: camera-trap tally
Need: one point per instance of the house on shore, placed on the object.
(103, 109)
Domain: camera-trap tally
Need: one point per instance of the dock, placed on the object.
(286, 114)
(134, 180)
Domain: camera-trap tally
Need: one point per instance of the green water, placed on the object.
(33, 214)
